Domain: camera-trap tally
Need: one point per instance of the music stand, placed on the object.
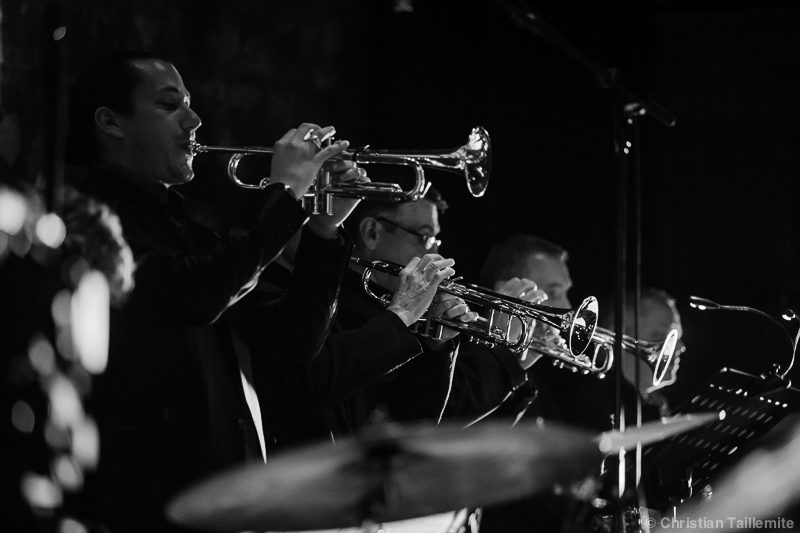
(753, 405)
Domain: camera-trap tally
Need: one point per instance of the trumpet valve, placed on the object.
(429, 329)
(481, 342)
(319, 195)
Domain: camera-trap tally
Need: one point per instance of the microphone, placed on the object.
(704, 304)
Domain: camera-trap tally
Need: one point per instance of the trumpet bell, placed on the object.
(477, 157)
(583, 325)
(663, 363)
(473, 160)
(659, 356)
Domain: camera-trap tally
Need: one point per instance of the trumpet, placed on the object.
(473, 160)
(597, 360)
(575, 325)
(657, 355)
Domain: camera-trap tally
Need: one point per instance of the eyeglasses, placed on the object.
(428, 241)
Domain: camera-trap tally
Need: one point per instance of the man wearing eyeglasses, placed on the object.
(397, 232)
(372, 365)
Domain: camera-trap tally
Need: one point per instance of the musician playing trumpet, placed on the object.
(494, 380)
(374, 365)
(562, 396)
(177, 402)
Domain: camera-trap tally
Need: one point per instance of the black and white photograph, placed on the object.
(399, 266)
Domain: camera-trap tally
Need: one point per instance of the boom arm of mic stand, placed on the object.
(608, 78)
(703, 304)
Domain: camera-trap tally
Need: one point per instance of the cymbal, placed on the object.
(388, 473)
(395, 472)
(654, 431)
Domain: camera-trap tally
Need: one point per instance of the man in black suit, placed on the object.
(373, 366)
(563, 396)
(177, 402)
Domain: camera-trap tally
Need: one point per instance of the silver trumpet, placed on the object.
(594, 360)
(657, 355)
(473, 160)
(575, 325)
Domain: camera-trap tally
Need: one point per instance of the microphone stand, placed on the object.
(56, 65)
(608, 78)
(628, 107)
(704, 304)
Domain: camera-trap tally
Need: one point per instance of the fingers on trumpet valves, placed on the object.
(331, 150)
(362, 175)
(411, 266)
(443, 270)
(313, 140)
(522, 288)
(315, 134)
(427, 272)
(301, 140)
(312, 137)
(464, 314)
(434, 266)
(538, 296)
(322, 140)
(346, 172)
(452, 308)
(320, 136)
(445, 274)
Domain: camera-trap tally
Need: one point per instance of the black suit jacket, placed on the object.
(370, 363)
(579, 400)
(488, 382)
(170, 405)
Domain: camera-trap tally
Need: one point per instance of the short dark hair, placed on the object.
(373, 209)
(109, 82)
(508, 258)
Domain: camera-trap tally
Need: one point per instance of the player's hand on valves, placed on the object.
(343, 172)
(523, 289)
(417, 285)
(299, 155)
(453, 308)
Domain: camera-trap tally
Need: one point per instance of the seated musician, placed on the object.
(658, 315)
(176, 403)
(564, 396)
(544, 263)
(495, 380)
(373, 365)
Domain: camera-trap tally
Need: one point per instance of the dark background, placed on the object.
(720, 190)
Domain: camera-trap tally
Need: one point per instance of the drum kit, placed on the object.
(391, 472)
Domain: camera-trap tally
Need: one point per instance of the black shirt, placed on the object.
(170, 405)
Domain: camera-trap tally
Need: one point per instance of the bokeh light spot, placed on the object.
(68, 473)
(90, 318)
(23, 417)
(50, 230)
(13, 211)
(41, 492)
(42, 356)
